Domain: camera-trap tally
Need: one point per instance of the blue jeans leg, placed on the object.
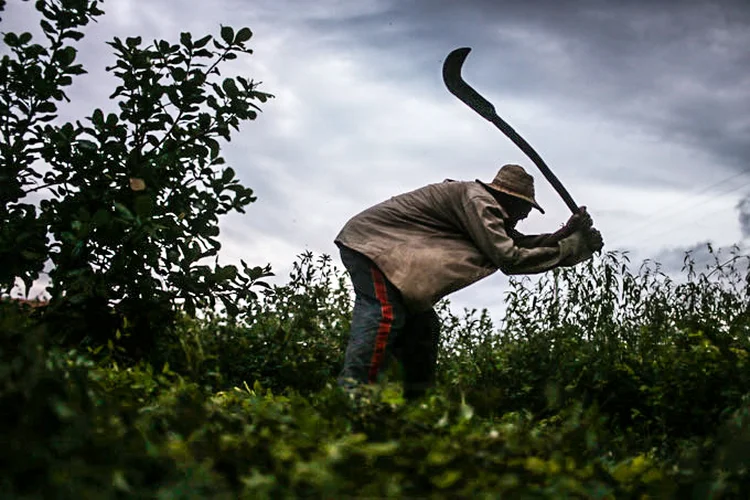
(378, 317)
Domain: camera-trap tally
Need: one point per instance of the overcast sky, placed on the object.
(641, 108)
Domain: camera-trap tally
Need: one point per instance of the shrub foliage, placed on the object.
(588, 401)
(129, 216)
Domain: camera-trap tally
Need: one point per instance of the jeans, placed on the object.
(382, 328)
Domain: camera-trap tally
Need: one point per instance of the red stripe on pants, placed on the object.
(384, 327)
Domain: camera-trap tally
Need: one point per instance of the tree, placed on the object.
(130, 218)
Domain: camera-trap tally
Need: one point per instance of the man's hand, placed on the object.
(581, 220)
(593, 239)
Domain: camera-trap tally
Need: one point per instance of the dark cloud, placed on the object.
(743, 207)
(646, 96)
(676, 71)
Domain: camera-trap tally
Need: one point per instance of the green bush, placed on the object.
(664, 360)
(130, 200)
(50, 414)
(544, 408)
(293, 336)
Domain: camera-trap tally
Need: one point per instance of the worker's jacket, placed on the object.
(443, 237)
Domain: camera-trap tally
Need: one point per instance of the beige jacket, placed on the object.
(443, 237)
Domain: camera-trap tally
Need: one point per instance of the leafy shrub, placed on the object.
(293, 336)
(48, 410)
(131, 200)
(570, 414)
(665, 360)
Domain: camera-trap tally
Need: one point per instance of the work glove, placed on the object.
(581, 220)
(593, 239)
(581, 245)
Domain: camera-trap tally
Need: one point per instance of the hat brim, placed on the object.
(503, 190)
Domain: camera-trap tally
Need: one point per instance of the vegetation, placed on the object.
(601, 381)
(131, 199)
(587, 393)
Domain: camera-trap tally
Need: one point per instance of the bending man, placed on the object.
(405, 254)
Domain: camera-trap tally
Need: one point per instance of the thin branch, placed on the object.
(205, 75)
(38, 188)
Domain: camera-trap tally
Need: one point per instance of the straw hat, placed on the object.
(513, 180)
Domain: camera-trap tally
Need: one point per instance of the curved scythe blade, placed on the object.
(458, 87)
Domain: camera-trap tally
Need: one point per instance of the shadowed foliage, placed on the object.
(131, 199)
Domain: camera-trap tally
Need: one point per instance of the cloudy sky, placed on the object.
(641, 108)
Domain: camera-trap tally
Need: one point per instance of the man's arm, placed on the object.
(580, 220)
(485, 224)
(534, 240)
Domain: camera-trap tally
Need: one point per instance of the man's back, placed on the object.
(440, 238)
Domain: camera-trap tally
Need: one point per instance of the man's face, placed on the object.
(517, 210)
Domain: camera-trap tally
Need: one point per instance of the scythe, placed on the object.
(458, 87)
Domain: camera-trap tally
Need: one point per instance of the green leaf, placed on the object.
(199, 44)
(26, 254)
(11, 39)
(66, 56)
(186, 39)
(438, 458)
(230, 306)
(466, 411)
(262, 96)
(133, 41)
(227, 34)
(446, 479)
(204, 122)
(119, 481)
(379, 449)
(101, 217)
(47, 107)
(123, 210)
(76, 70)
(75, 35)
(97, 118)
(86, 144)
(226, 273)
(227, 175)
(47, 27)
(230, 87)
(178, 74)
(243, 35)
(143, 206)
(213, 145)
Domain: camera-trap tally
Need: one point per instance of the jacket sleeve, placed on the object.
(484, 222)
(579, 250)
(533, 240)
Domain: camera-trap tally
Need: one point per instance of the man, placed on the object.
(405, 254)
